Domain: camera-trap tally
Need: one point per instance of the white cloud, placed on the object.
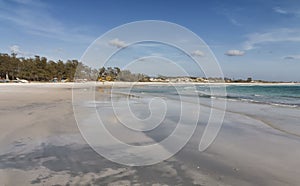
(117, 43)
(280, 10)
(34, 17)
(292, 57)
(36, 3)
(288, 57)
(293, 12)
(235, 22)
(235, 53)
(15, 49)
(197, 53)
(278, 35)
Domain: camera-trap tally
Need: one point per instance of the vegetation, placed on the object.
(115, 74)
(41, 69)
(109, 74)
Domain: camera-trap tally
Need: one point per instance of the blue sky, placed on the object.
(259, 39)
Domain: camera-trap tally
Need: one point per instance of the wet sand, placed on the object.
(41, 145)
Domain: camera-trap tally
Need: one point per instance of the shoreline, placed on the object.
(122, 84)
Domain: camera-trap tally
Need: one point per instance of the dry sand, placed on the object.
(40, 144)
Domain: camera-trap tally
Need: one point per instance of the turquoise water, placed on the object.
(280, 95)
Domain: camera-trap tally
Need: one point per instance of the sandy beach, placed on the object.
(41, 145)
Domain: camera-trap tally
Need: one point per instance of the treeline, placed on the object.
(115, 74)
(42, 69)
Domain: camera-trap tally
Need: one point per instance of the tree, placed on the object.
(117, 70)
(101, 71)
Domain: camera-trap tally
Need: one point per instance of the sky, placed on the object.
(249, 38)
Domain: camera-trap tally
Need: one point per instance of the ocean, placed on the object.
(278, 95)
